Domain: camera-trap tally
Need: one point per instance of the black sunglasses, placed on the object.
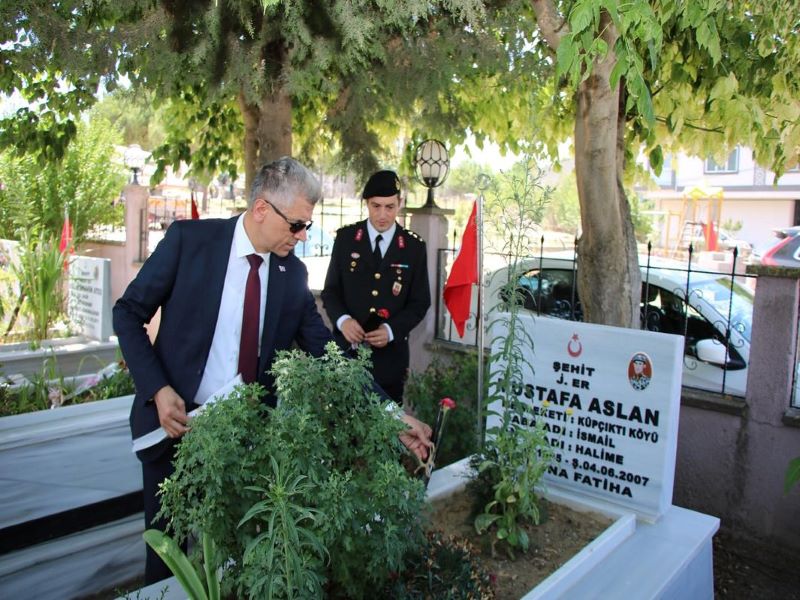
(294, 226)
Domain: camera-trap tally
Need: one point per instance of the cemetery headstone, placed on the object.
(609, 400)
(89, 298)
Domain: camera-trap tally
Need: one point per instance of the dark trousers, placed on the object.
(153, 473)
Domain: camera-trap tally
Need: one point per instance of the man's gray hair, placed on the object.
(284, 180)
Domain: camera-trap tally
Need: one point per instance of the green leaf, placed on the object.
(792, 474)
(566, 56)
(581, 17)
(485, 520)
(210, 566)
(177, 562)
(656, 159)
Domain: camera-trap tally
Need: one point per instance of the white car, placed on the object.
(709, 362)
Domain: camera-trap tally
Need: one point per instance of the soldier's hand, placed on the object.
(377, 338)
(352, 331)
(171, 411)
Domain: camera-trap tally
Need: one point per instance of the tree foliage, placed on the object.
(246, 81)
(662, 74)
(85, 182)
(244, 69)
(137, 114)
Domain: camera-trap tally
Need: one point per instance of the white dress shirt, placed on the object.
(223, 357)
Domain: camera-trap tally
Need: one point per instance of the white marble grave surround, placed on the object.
(74, 566)
(74, 356)
(56, 461)
(668, 559)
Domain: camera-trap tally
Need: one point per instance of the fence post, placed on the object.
(431, 225)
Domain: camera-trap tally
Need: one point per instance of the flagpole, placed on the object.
(482, 182)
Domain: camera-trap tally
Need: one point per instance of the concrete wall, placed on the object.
(733, 456)
(757, 215)
(121, 273)
(124, 256)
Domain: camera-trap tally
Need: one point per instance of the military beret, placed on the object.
(383, 184)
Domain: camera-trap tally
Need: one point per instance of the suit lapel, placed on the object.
(217, 265)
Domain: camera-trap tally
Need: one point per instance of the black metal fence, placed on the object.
(329, 215)
(711, 308)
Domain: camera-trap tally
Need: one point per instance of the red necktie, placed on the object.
(248, 343)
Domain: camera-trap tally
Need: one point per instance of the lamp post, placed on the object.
(134, 160)
(432, 164)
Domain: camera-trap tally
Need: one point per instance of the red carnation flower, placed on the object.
(448, 403)
(383, 313)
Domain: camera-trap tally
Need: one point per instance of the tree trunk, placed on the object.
(267, 131)
(608, 274)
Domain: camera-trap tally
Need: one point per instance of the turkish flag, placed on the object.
(66, 235)
(464, 274)
(195, 212)
(65, 245)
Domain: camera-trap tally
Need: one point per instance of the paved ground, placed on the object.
(753, 572)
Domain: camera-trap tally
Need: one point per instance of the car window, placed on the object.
(722, 297)
(550, 292)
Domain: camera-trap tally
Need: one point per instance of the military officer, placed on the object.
(376, 290)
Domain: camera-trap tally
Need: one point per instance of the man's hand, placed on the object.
(417, 437)
(171, 411)
(377, 338)
(352, 331)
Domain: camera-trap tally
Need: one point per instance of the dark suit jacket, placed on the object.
(357, 286)
(184, 277)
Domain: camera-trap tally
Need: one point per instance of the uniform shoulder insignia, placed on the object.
(413, 234)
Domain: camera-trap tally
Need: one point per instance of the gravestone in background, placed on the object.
(89, 297)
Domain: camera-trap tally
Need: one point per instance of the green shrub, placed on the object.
(441, 568)
(455, 377)
(515, 453)
(40, 273)
(324, 465)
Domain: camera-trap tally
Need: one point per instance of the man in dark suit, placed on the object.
(376, 290)
(203, 276)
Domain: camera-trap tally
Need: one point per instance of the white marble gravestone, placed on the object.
(609, 399)
(89, 303)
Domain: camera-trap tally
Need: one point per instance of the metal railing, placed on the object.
(677, 297)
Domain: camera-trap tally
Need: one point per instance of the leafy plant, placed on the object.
(792, 474)
(354, 499)
(515, 453)
(452, 377)
(186, 574)
(35, 194)
(290, 551)
(118, 383)
(40, 271)
(441, 568)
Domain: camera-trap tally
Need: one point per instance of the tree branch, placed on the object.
(552, 25)
(689, 125)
